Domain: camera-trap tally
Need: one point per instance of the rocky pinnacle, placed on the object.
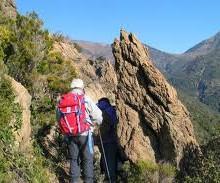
(153, 123)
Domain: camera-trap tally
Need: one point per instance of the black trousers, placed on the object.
(111, 158)
(81, 157)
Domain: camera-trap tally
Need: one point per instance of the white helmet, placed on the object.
(77, 83)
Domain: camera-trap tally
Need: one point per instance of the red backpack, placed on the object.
(73, 114)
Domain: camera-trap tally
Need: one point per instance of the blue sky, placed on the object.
(169, 25)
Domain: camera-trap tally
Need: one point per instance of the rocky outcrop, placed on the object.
(99, 76)
(8, 8)
(153, 123)
(23, 98)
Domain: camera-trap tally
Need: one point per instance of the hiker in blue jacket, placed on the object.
(109, 138)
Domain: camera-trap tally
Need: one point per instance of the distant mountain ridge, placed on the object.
(94, 50)
(205, 46)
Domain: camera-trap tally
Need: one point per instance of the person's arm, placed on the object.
(94, 112)
(58, 113)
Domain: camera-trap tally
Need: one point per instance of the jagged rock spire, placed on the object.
(153, 124)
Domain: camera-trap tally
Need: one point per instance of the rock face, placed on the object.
(153, 123)
(24, 99)
(99, 77)
(8, 8)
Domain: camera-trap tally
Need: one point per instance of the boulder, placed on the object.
(23, 98)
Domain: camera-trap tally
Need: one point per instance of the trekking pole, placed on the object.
(103, 150)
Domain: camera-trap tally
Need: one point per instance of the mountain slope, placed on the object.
(198, 74)
(205, 46)
(94, 50)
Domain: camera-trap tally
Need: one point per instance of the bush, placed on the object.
(7, 109)
(146, 171)
(78, 47)
(205, 168)
(29, 44)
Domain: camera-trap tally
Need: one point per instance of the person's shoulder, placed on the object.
(88, 99)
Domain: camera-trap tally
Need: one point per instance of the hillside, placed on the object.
(198, 73)
(205, 47)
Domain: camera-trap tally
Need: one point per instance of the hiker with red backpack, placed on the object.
(108, 139)
(77, 115)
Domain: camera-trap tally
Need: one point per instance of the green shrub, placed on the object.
(29, 44)
(58, 37)
(16, 166)
(78, 47)
(146, 171)
(205, 120)
(167, 170)
(57, 85)
(206, 167)
(7, 108)
(4, 167)
(43, 67)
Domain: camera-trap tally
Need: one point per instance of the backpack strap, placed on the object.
(81, 99)
(67, 123)
(78, 112)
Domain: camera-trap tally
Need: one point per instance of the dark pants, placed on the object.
(80, 156)
(111, 158)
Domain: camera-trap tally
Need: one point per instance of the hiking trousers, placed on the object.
(81, 157)
(111, 158)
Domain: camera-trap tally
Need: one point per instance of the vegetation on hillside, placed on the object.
(26, 54)
(206, 122)
(199, 77)
(204, 168)
(146, 171)
(15, 165)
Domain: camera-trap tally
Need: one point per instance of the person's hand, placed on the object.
(96, 129)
